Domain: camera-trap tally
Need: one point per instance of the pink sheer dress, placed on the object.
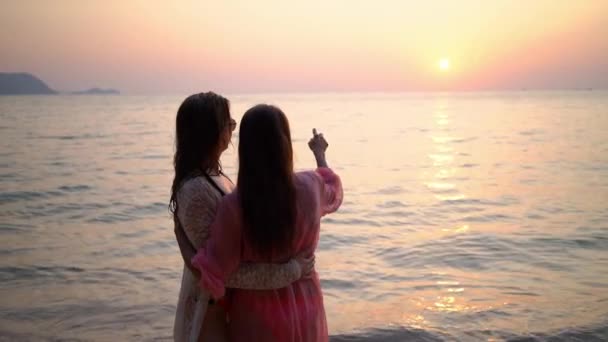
(292, 313)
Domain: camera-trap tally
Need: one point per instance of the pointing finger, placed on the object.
(314, 132)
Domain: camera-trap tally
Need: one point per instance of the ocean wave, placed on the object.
(73, 137)
(596, 333)
(75, 188)
(131, 212)
(17, 196)
(391, 204)
(500, 202)
(15, 228)
(388, 335)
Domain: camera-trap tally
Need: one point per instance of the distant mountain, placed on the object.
(23, 84)
(97, 91)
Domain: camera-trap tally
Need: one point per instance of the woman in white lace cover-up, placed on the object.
(203, 131)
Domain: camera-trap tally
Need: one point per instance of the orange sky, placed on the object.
(257, 46)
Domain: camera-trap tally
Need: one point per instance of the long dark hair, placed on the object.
(200, 120)
(266, 189)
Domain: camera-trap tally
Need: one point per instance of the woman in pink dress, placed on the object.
(273, 215)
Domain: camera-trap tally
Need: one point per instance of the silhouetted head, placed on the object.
(265, 182)
(203, 129)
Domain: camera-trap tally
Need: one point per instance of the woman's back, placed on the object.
(293, 313)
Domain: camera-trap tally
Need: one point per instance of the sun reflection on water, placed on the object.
(442, 189)
(461, 229)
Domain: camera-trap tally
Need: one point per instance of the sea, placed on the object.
(473, 216)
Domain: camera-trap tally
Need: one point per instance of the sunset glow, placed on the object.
(250, 46)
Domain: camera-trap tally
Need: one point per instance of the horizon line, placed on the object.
(337, 92)
(288, 92)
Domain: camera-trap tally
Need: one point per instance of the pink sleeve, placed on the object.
(331, 190)
(221, 255)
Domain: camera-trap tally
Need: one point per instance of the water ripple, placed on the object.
(18, 196)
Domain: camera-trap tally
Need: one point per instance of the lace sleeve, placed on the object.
(254, 276)
(197, 203)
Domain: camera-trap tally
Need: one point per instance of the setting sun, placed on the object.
(444, 64)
